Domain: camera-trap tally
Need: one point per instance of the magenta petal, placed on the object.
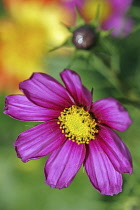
(39, 141)
(115, 149)
(100, 170)
(20, 108)
(63, 164)
(45, 91)
(120, 6)
(110, 112)
(72, 81)
(121, 25)
(73, 4)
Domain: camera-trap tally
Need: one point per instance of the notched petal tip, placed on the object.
(80, 94)
(113, 191)
(59, 187)
(6, 106)
(18, 154)
(101, 171)
(63, 164)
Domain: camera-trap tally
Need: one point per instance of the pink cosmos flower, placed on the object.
(74, 131)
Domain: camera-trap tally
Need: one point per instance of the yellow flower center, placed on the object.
(77, 124)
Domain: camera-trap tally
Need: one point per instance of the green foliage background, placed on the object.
(22, 185)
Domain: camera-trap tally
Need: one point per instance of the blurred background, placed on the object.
(29, 30)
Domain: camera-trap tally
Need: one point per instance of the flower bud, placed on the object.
(84, 37)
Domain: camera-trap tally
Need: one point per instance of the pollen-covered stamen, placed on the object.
(77, 124)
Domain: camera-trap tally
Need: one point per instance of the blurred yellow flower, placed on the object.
(31, 29)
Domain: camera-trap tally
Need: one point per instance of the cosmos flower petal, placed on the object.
(110, 112)
(120, 7)
(121, 25)
(72, 81)
(20, 108)
(115, 149)
(39, 141)
(63, 164)
(70, 6)
(45, 91)
(100, 170)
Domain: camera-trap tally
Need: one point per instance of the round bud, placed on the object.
(84, 37)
